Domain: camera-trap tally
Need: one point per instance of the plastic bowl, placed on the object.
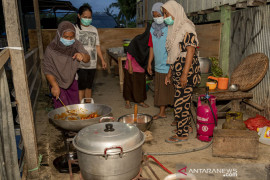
(211, 85)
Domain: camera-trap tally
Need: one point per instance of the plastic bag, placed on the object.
(256, 122)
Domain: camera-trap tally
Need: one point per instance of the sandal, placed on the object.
(174, 131)
(155, 117)
(127, 106)
(143, 105)
(174, 123)
(174, 139)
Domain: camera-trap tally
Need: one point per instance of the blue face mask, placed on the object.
(169, 20)
(67, 42)
(86, 21)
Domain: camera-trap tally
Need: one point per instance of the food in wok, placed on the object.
(80, 110)
(75, 116)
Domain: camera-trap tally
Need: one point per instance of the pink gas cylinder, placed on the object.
(206, 122)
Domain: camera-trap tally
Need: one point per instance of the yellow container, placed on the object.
(211, 85)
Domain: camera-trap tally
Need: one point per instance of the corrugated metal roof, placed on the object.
(192, 6)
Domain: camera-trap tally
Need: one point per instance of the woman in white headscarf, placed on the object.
(185, 68)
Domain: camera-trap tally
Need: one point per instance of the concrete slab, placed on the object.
(106, 91)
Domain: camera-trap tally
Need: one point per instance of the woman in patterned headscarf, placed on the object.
(61, 61)
(164, 94)
(185, 68)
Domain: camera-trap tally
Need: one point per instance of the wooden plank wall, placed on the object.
(47, 37)
(109, 37)
(208, 34)
(114, 37)
(209, 39)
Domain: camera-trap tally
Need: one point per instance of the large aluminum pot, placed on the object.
(76, 125)
(205, 65)
(109, 151)
(144, 121)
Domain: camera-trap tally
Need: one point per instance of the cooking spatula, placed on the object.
(68, 111)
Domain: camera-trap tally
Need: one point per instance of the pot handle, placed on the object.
(101, 119)
(212, 77)
(117, 147)
(91, 100)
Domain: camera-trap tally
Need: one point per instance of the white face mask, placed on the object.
(159, 20)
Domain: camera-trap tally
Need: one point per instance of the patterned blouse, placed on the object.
(194, 75)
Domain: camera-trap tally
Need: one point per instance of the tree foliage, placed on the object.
(127, 10)
(72, 17)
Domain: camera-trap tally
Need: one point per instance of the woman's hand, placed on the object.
(150, 60)
(149, 69)
(104, 64)
(78, 56)
(183, 80)
(55, 88)
(188, 64)
(55, 91)
(130, 70)
(168, 79)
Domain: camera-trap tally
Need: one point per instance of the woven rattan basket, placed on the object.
(250, 71)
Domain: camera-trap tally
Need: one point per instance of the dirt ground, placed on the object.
(107, 91)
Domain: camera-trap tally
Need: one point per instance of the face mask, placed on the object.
(86, 21)
(159, 20)
(67, 42)
(169, 20)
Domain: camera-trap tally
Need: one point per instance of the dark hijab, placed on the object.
(58, 59)
(56, 45)
(139, 49)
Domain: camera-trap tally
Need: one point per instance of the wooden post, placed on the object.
(146, 12)
(22, 23)
(14, 39)
(215, 16)
(225, 19)
(39, 37)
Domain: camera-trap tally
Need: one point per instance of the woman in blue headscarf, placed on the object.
(164, 94)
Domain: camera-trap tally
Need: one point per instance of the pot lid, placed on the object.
(115, 136)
